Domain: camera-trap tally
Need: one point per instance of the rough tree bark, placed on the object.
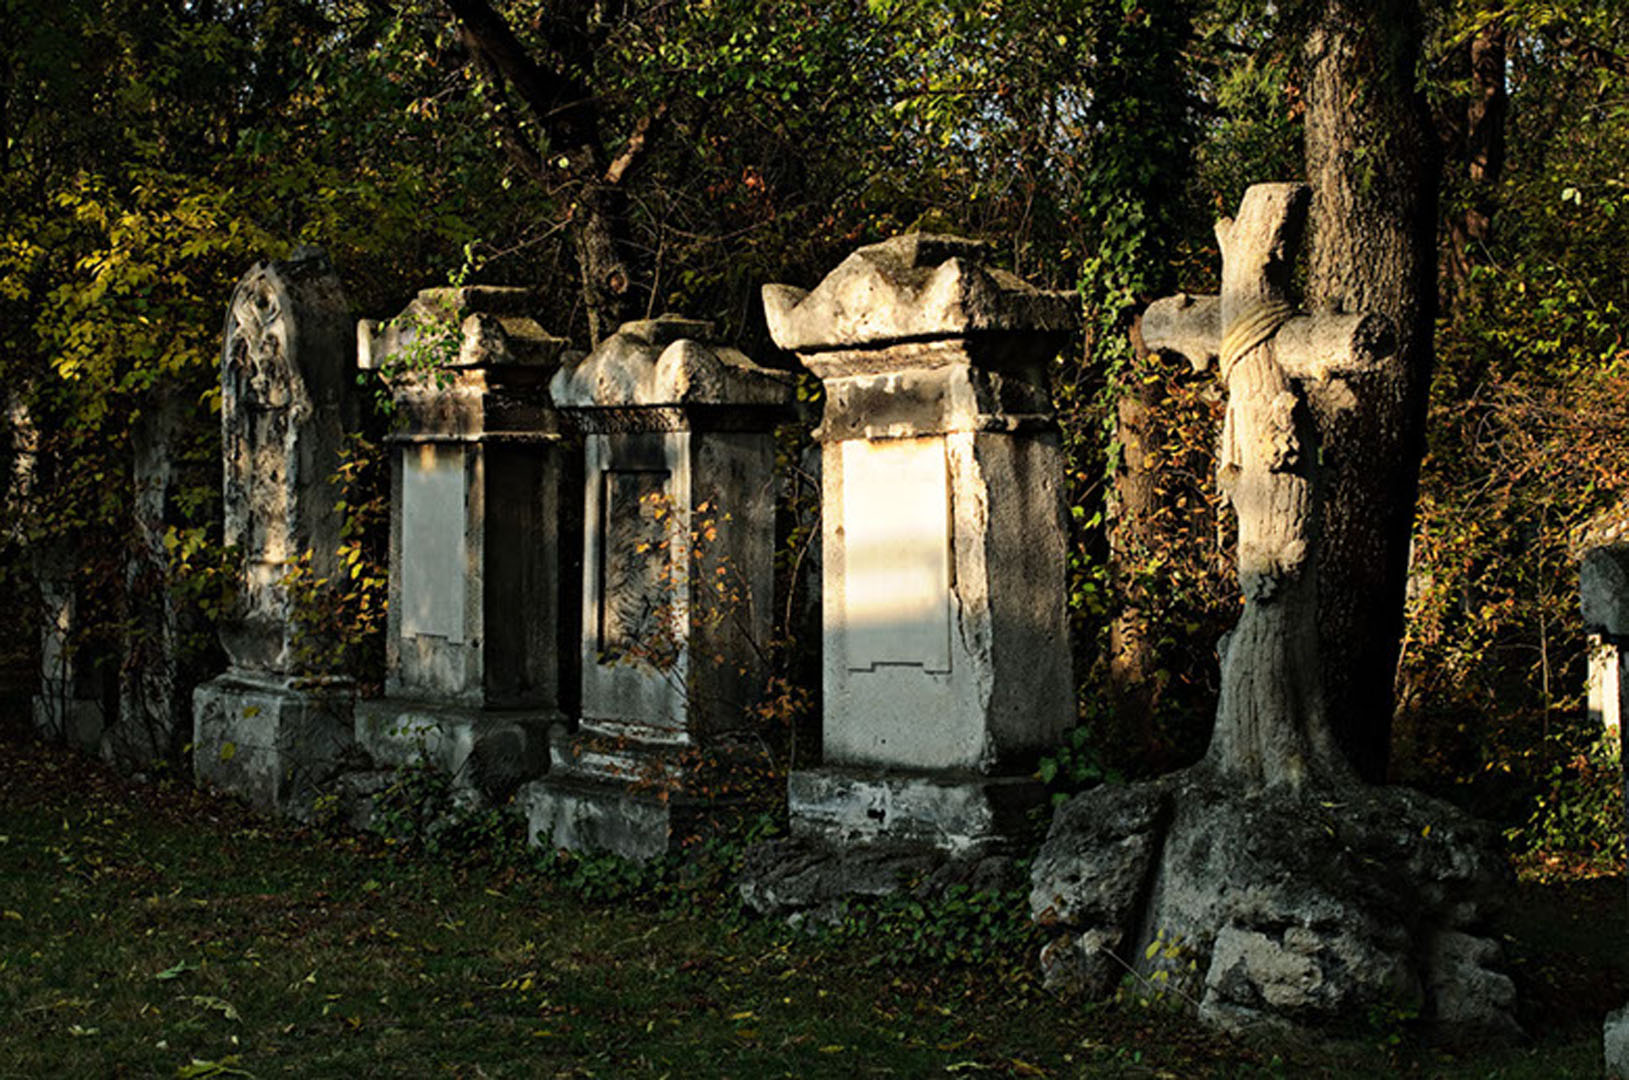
(1476, 137)
(1131, 539)
(566, 112)
(1373, 167)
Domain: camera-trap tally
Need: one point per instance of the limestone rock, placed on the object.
(810, 879)
(1289, 911)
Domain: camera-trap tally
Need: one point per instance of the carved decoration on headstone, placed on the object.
(271, 727)
(283, 371)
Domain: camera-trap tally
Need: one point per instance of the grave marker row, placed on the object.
(589, 627)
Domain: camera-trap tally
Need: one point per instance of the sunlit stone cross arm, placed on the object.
(1271, 729)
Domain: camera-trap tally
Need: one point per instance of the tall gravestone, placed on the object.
(482, 539)
(1603, 593)
(947, 667)
(678, 575)
(272, 727)
(154, 704)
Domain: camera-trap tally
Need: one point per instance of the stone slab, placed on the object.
(271, 744)
(1603, 589)
(490, 752)
(587, 816)
(1615, 1037)
(943, 812)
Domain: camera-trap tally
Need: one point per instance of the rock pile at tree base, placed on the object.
(1324, 912)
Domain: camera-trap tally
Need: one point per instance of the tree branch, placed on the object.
(564, 108)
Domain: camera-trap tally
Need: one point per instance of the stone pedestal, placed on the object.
(678, 575)
(947, 665)
(276, 743)
(285, 368)
(480, 546)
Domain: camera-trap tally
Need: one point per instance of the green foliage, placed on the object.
(960, 927)
(1526, 449)
(1077, 765)
(1578, 809)
(424, 812)
(339, 623)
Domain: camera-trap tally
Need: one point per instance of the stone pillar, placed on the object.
(272, 728)
(75, 697)
(947, 667)
(1603, 594)
(678, 576)
(481, 561)
(76, 700)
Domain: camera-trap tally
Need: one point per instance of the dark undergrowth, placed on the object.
(151, 930)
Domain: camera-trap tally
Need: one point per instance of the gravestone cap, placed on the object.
(496, 330)
(666, 362)
(1603, 589)
(916, 287)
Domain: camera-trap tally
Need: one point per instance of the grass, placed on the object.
(151, 930)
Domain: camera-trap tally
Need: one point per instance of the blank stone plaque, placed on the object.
(434, 563)
(896, 554)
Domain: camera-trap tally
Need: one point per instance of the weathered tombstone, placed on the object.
(271, 728)
(480, 557)
(1603, 593)
(74, 699)
(947, 668)
(154, 707)
(1268, 883)
(678, 572)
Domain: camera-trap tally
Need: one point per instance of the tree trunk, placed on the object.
(1373, 169)
(566, 112)
(1478, 143)
(1131, 541)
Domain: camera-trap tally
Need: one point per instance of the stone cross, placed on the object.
(1271, 729)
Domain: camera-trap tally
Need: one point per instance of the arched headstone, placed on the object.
(272, 724)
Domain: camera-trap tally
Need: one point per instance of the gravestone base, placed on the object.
(640, 800)
(78, 722)
(947, 812)
(870, 833)
(271, 741)
(490, 752)
(805, 879)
